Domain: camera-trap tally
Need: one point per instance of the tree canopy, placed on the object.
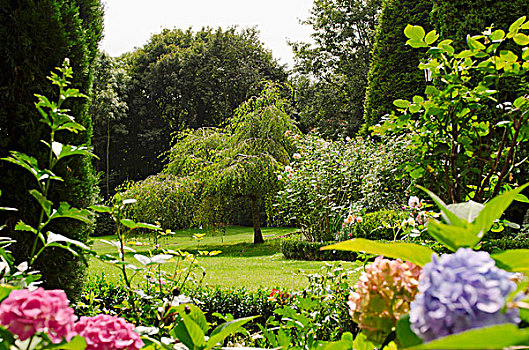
(240, 160)
(332, 73)
(185, 79)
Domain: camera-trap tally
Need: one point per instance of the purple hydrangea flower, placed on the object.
(461, 291)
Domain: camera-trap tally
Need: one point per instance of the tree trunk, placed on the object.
(257, 235)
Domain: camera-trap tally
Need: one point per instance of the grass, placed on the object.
(241, 263)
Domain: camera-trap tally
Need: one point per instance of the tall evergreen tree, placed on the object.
(36, 37)
(394, 73)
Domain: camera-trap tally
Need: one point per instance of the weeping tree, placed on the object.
(241, 159)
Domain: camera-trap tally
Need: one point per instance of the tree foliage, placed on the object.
(108, 109)
(36, 37)
(331, 96)
(240, 160)
(185, 79)
(465, 130)
(393, 73)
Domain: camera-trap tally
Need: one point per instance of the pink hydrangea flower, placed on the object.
(25, 313)
(383, 294)
(104, 332)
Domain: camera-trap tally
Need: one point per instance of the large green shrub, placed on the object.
(172, 201)
(455, 19)
(382, 224)
(329, 180)
(393, 73)
(36, 37)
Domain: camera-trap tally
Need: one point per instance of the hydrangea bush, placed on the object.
(382, 295)
(461, 291)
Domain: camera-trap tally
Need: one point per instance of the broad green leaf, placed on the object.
(53, 237)
(63, 151)
(521, 39)
(68, 212)
(220, 333)
(416, 43)
(27, 162)
(465, 54)
(194, 331)
(452, 237)
(194, 313)
(43, 201)
(514, 260)
(181, 333)
(431, 37)
(411, 252)
(495, 337)
(147, 226)
(508, 56)
(521, 198)
(414, 32)
(494, 209)
(497, 35)
(101, 209)
(401, 103)
(128, 223)
(516, 25)
(474, 45)
(405, 335)
(22, 226)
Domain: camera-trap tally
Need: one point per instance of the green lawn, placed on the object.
(241, 263)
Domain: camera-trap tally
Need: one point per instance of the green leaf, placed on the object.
(497, 35)
(474, 45)
(27, 162)
(494, 209)
(401, 103)
(53, 237)
(465, 54)
(193, 312)
(128, 223)
(406, 336)
(516, 25)
(514, 260)
(101, 209)
(450, 217)
(521, 39)
(414, 32)
(22, 226)
(66, 211)
(6, 339)
(416, 43)
(220, 333)
(77, 343)
(521, 198)
(411, 252)
(194, 332)
(495, 337)
(148, 226)
(361, 343)
(452, 237)
(431, 37)
(63, 151)
(508, 56)
(43, 201)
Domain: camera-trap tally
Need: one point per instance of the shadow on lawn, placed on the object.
(237, 250)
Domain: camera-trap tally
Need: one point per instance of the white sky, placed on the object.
(130, 23)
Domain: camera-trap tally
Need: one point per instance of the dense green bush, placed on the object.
(36, 37)
(382, 224)
(393, 73)
(330, 180)
(297, 249)
(172, 201)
